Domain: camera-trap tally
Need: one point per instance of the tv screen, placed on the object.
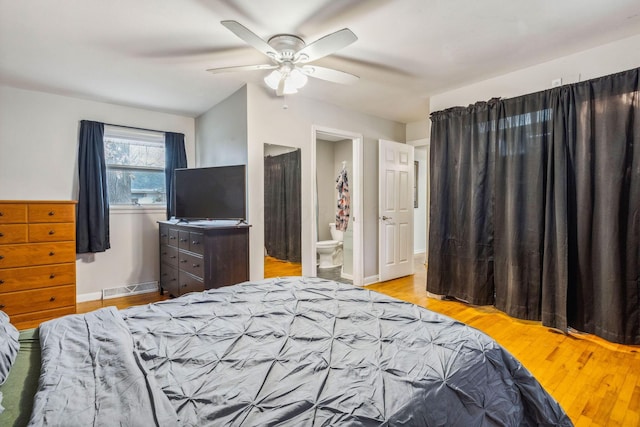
(211, 193)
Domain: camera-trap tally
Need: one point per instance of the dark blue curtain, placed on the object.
(92, 226)
(175, 158)
(535, 206)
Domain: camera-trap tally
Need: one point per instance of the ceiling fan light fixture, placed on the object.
(297, 78)
(293, 80)
(273, 79)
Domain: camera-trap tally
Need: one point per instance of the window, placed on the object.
(135, 166)
(530, 126)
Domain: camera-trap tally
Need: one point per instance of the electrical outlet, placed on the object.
(556, 82)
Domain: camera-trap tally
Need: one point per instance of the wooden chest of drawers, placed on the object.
(199, 256)
(37, 260)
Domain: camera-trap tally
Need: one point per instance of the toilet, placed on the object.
(330, 251)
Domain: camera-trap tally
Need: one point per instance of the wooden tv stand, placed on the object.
(199, 255)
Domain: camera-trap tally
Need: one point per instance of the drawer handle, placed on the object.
(52, 276)
(172, 237)
(1, 234)
(52, 253)
(52, 232)
(2, 306)
(174, 279)
(183, 240)
(163, 235)
(164, 253)
(183, 260)
(195, 242)
(172, 257)
(52, 299)
(196, 265)
(51, 213)
(1, 214)
(1, 256)
(1, 281)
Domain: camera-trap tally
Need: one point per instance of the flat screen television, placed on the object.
(211, 193)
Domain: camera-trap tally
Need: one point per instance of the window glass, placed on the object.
(135, 166)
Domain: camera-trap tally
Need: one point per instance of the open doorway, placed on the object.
(337, 159)
(282, 211)
(421, 211)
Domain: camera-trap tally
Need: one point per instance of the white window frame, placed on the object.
(138, 135)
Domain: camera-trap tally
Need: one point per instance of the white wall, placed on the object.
(606, 59)
(221, 132)
(419, 130)
(38, 161)
(269, 122)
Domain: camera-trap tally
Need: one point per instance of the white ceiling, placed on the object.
(153, 53)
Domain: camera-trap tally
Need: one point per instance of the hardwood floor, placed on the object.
(123, 302)
(596, 382)
(274, 267)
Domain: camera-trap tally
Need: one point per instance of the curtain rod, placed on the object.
(137, 128)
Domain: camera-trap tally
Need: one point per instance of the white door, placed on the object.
(395, 213)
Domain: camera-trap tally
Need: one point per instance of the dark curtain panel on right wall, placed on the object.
(535, 206)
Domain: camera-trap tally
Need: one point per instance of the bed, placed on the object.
(288, 352)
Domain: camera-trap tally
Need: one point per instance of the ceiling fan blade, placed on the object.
(326, 45)
(248, 36)
(242, 68)
(329, 74)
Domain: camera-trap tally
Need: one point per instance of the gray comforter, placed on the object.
(292, 351)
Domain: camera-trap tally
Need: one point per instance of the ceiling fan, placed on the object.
(290, 57)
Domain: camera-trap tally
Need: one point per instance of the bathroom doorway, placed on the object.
(337, 159)
(282, 211)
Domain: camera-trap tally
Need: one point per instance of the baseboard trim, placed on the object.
(128, 290)
(121, 291)
(371, 280)
(93, 296)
